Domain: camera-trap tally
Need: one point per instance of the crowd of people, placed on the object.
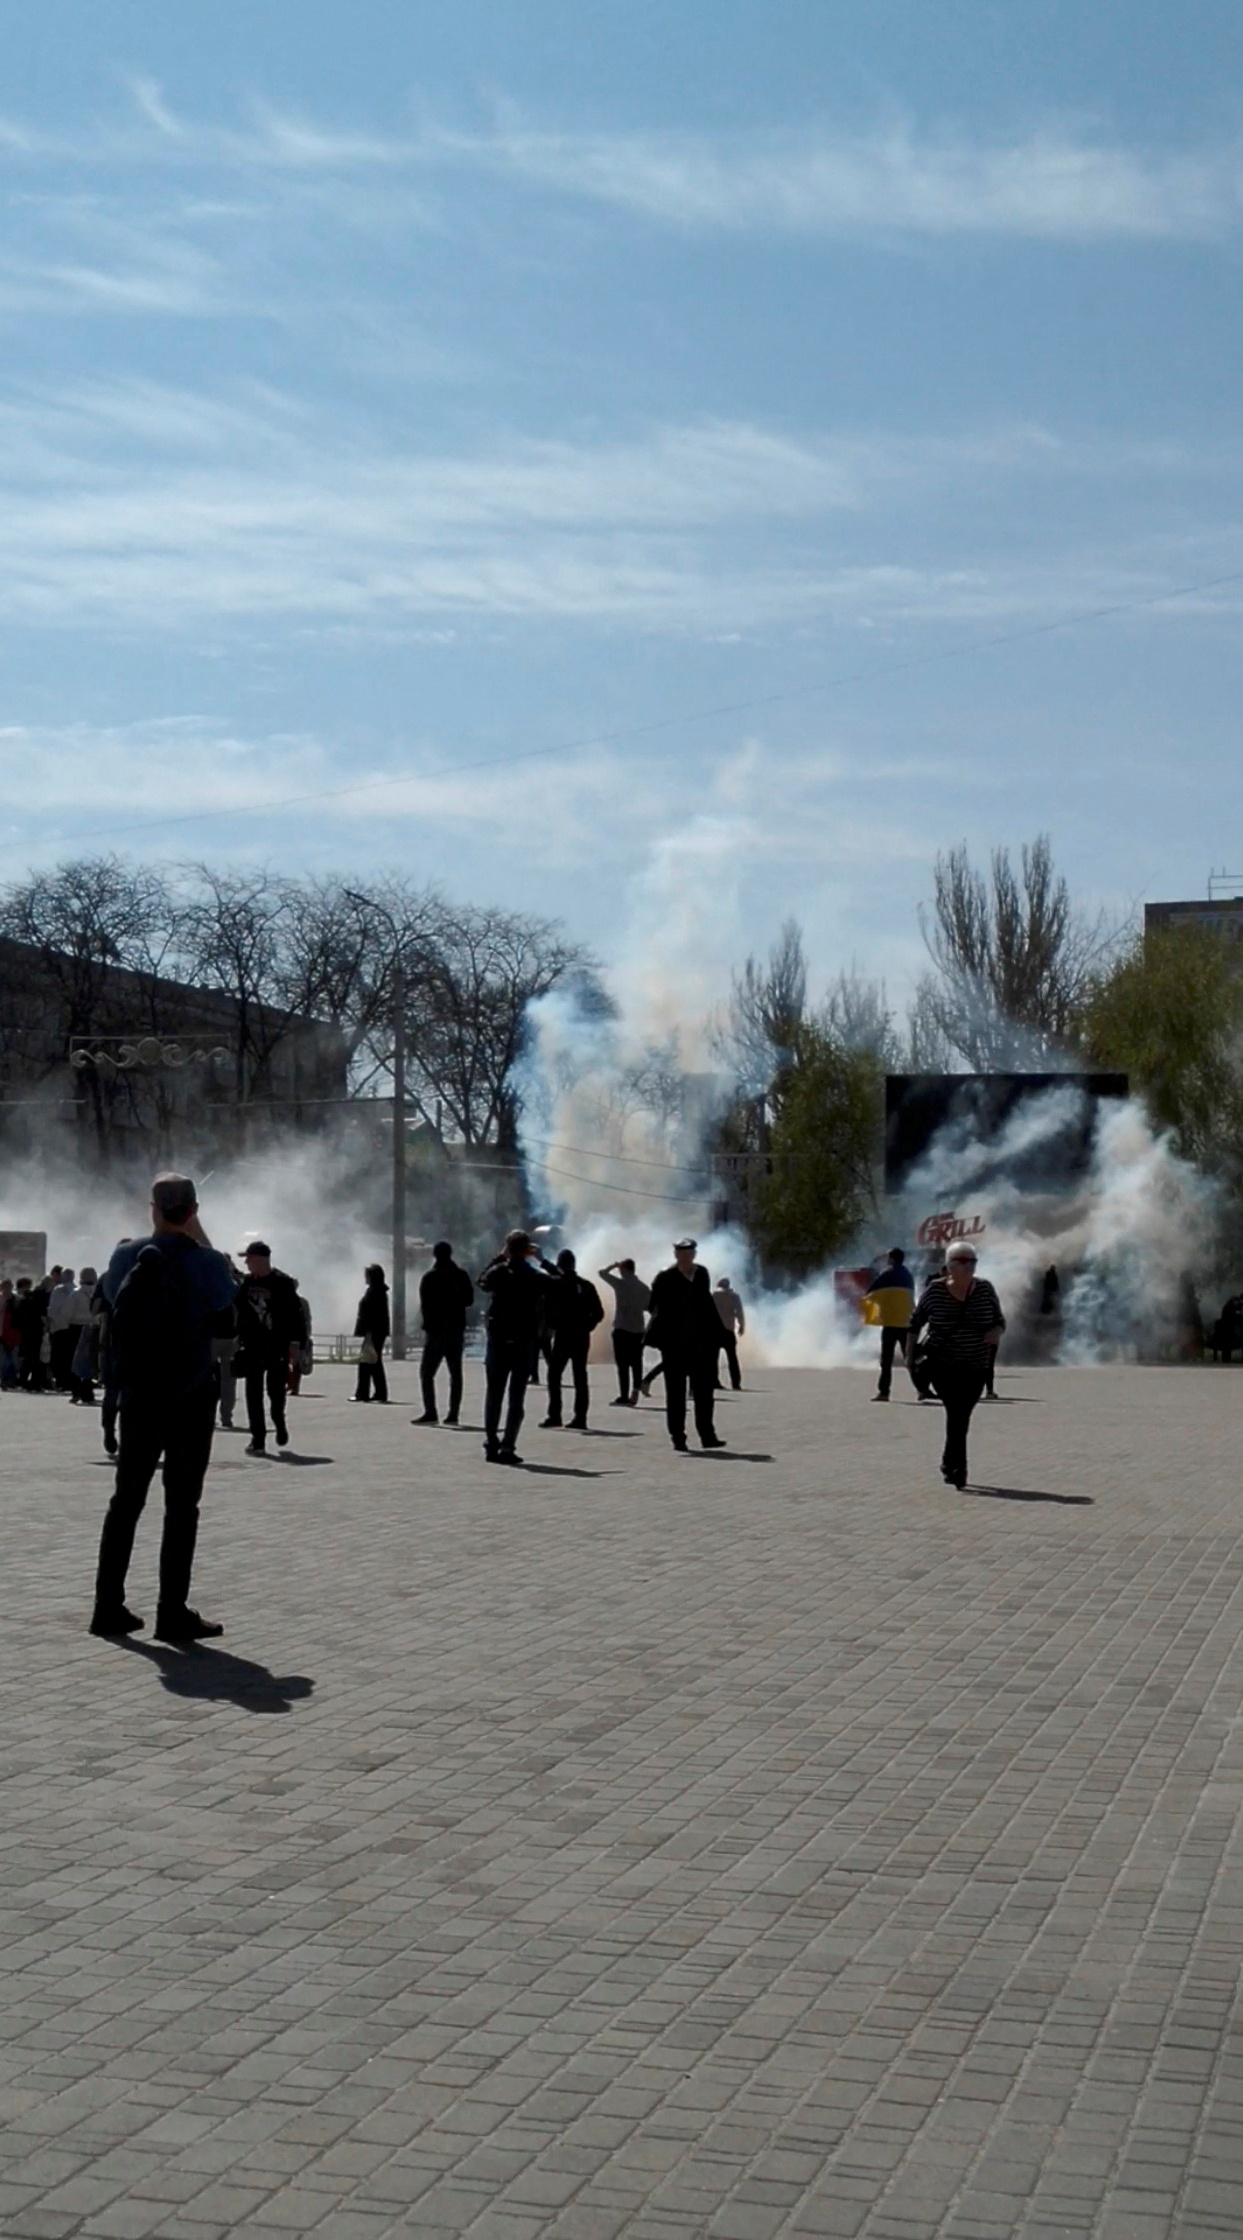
(174, 1328)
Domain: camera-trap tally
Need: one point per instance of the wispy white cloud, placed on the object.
(126, 501)
(1056, 183)
(1047, 186)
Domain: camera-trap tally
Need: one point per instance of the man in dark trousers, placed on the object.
(169, 1296)
(687, 1328)
(573, 1310)
(516, 1282)
(269, 1330)
(892, 1294)
(630, 1302)
(445, 1295)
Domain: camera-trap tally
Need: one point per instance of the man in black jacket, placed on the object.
(686, 1326)
(269, 1329)
(516, 1282)
(573, 1311)
(445, 1295)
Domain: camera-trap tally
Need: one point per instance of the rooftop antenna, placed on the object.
(1225, 886)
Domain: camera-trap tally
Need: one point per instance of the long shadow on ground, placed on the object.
(214, 1676)
(561, 1470)
(1021, 1493)
(726, 1454)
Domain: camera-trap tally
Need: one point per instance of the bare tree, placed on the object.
(95, 922)
(478, 971)
(232, 933)
(927, 1050)
(856, 1016)
(1013, 957)
(766, 1008)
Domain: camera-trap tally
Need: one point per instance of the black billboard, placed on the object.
(977, 1111)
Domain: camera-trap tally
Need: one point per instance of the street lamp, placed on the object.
(398, 968)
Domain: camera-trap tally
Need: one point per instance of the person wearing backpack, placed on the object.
(169, 1296)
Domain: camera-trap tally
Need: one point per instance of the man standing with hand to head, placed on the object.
(630, 1296)
(169, 1296)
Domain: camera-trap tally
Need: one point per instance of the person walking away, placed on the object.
(962, 1315)
(892, 1299)
(62, 1337)
(445, 1296)
(733, 1327)
(168, 1296)
(269, 1329)
(687, 1328)
(10, 1336)
(516, 1281)
(373, 1325)
(630, 1299)
(574, 1312)
(82, 1367)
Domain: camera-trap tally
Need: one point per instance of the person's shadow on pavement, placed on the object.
(1027, 1493)
(214, 1676)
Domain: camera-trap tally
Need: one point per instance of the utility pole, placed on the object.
(398, 972)
(399, 1156)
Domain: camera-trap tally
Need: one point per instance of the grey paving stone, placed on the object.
(758, 1847)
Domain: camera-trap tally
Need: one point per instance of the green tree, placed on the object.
(1169, 1013)
(815, 1185)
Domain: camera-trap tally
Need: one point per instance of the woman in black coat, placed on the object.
(372, 1325)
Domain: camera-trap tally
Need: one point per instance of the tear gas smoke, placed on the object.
(299, 1199)
(617, 1113)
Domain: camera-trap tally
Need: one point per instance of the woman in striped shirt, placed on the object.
(962, 1317)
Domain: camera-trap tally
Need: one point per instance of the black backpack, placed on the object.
(152, 1334)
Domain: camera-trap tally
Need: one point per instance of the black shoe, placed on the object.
(507, 1455)
(111, 1624)
(550, 1423)
(429, 1419)
(959, 1479)
(880, 1396)
(713, 1442)
(448, 1419)
(256, 1446)
(185, 1625)
(577, 1423)
(110, 1443)
(620, 1402)
(492, 1454)
(680, 1446)
(282, 1435)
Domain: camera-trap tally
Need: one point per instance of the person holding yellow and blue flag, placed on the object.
(888, 1302)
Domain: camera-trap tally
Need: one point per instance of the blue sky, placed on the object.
(518, 443)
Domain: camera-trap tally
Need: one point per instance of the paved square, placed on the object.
(772, 1843)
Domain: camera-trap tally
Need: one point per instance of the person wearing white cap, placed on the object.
(962, 1316)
